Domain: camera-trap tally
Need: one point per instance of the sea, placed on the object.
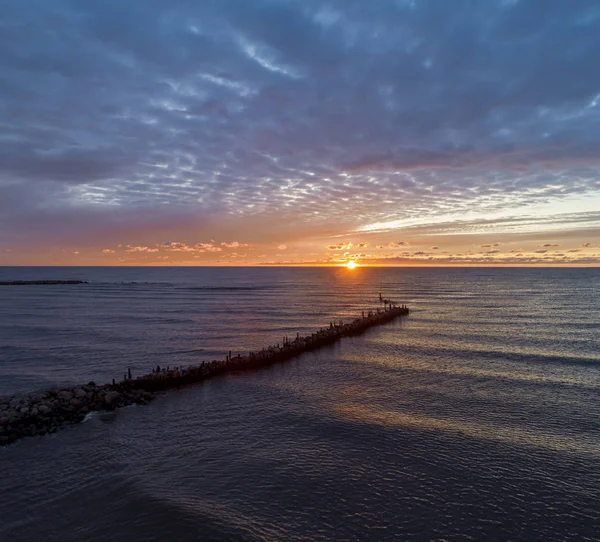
(477, 417)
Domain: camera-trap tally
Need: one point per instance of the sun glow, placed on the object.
(351, 264)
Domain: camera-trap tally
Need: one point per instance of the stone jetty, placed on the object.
(40, 282)
(46, 412)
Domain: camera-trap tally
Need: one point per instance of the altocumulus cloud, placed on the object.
(126, 116)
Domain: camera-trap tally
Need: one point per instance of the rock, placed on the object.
(45, 409)
(4, 421)
(75, 403)
(34, 411)
(111, 398)
(80, 393)
(24, 410)
(65, 395)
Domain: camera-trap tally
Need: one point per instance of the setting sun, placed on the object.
(351, 264)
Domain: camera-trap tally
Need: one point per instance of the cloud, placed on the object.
(207, 247)
(340, 246)
(492, 245)
(108, 251)
(130, 248)
(259, 119)
(399, 244)
(176, 246)
(281, 247)
(234, 244)
(393, 245)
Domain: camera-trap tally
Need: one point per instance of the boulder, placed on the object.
(75, 403)
(44, 409)
(80, 393)
(4, 421)
(65, 395)
(111, 398)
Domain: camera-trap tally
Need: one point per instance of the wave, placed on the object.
(501, 356)
(224, 288)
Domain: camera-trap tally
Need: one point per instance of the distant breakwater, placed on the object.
(46, 412)
(40, 282)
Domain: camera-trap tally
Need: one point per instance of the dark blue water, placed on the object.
(476, 418)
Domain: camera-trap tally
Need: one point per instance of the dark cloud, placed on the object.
(316, 114)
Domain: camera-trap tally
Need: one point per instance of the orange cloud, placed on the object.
(233, 244)
(341, 246)
(140, 249)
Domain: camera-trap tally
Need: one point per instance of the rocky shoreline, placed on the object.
(45, 412)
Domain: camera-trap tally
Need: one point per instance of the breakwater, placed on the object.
(40, 282)
(46, 412)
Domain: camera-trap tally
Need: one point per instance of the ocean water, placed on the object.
(475, 418)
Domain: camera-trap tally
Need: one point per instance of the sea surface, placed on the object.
(475, 418)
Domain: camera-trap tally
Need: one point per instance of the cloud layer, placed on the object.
(286, 122)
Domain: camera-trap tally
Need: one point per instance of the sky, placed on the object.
(302, 132)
